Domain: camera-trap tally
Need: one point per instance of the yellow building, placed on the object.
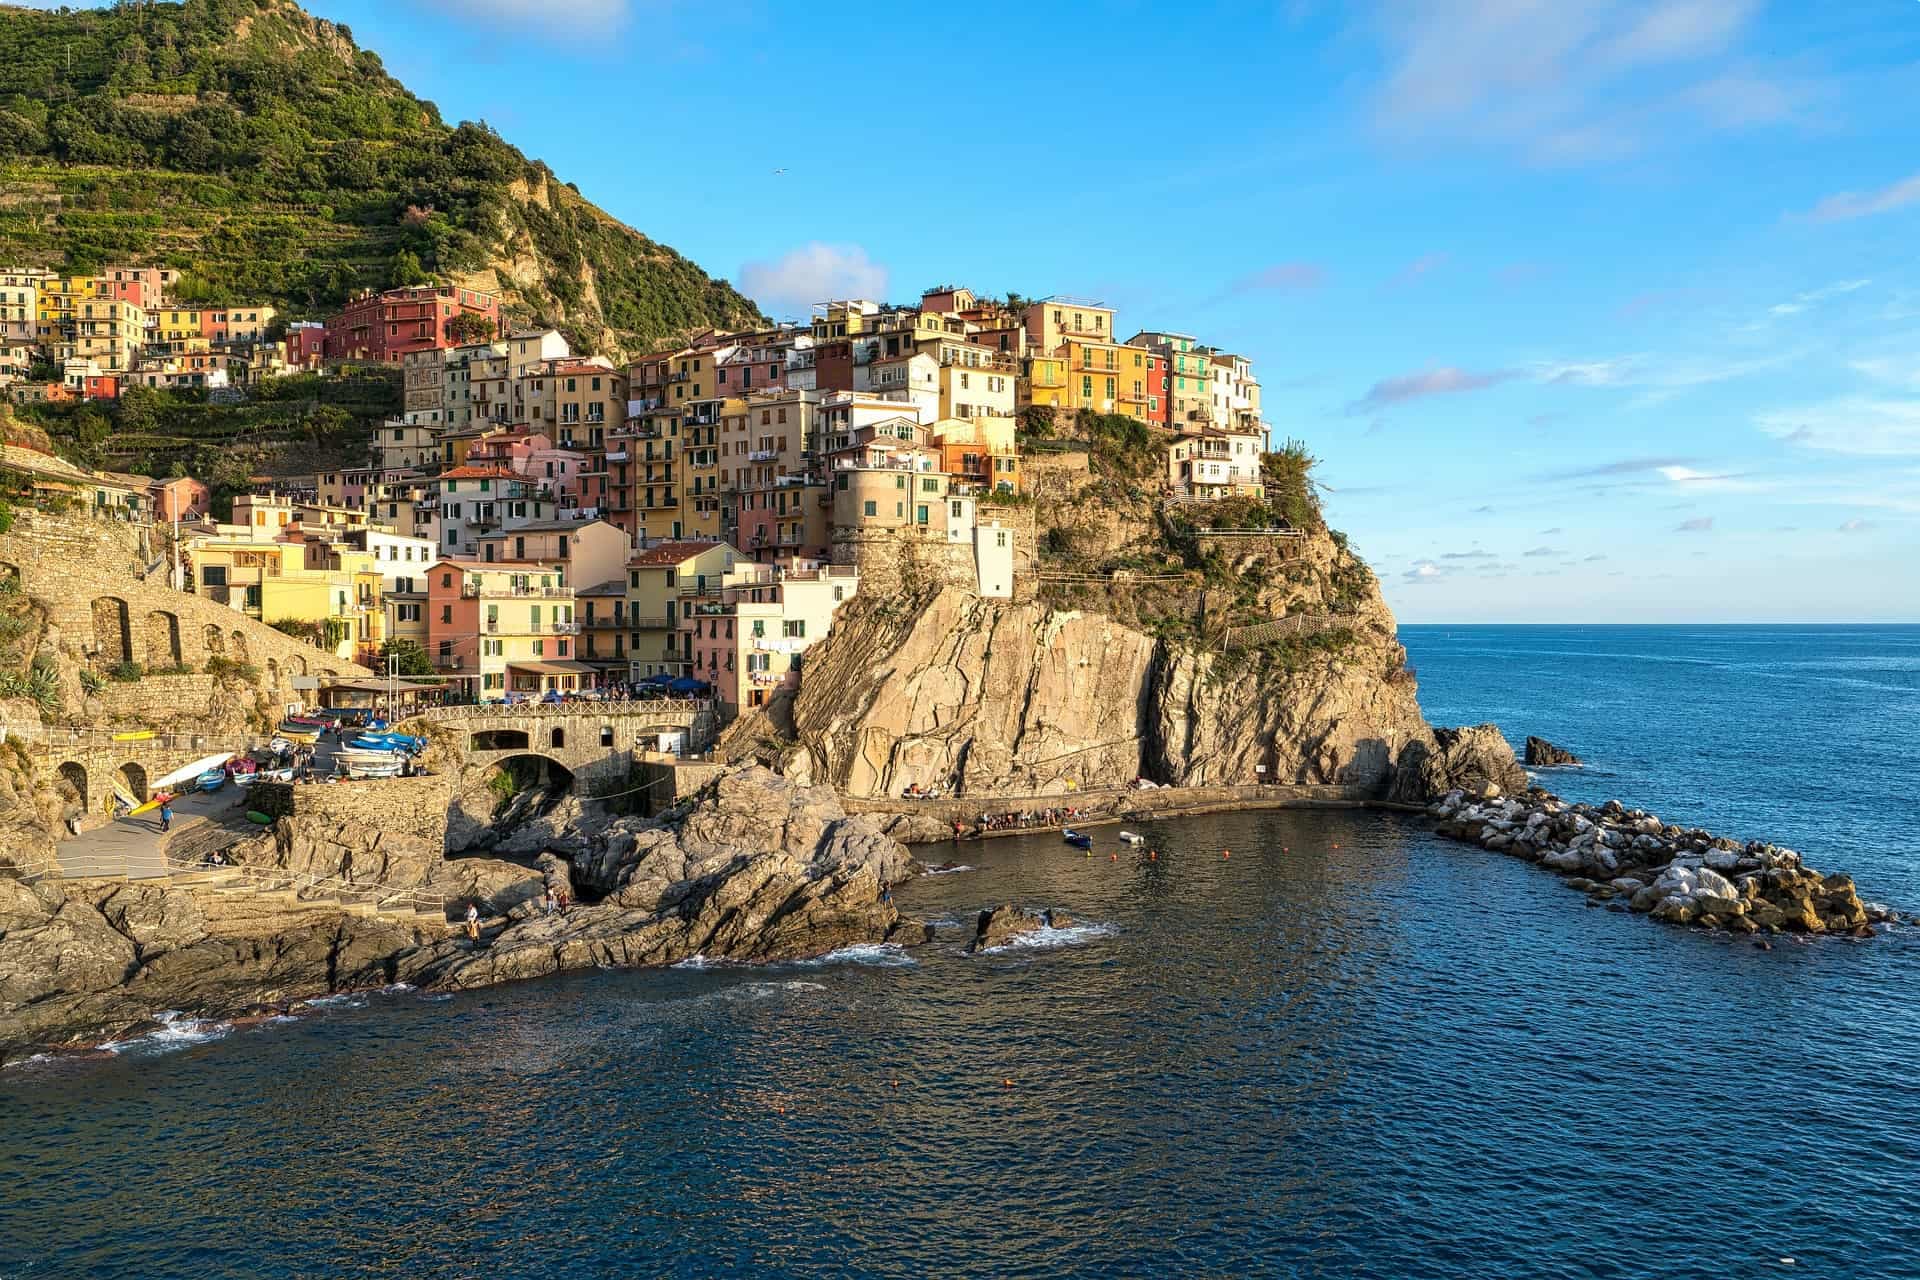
(657, 577)
(1043, 381)
(339, 593)
(1052, 321)
(109, 331)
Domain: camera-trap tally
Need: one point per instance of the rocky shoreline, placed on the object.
(753, 869)
(1630, 859)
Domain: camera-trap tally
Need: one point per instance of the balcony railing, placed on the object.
(763, 455)
(476, 591)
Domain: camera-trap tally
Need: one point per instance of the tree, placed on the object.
(410, 658)
(470, 327)
(404, 269)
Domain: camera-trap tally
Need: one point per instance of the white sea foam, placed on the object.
(176, 1031)
(1045, 939)
(339, 1000)
(888, 955)
(950, 871)
(696, 961)
(766, 990)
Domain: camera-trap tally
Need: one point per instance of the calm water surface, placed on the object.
(1349, 1049)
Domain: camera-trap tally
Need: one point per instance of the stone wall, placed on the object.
(85, 574)
(408, 808)
(907, 562)
(153, 697)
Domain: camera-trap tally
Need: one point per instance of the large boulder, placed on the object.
(1543, 754)
(1477, 761)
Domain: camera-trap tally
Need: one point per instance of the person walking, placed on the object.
(552, 900)
(166, 815)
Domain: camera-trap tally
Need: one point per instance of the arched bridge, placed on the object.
(593, 741)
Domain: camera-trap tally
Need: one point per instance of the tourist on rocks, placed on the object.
(564, 898)
(473, 922)
(552, 900)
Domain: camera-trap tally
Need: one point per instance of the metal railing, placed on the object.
(1300, 624)
(631, 707)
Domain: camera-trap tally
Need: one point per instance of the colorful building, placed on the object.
(503, 628)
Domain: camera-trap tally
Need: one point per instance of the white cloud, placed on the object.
(1707, 481)
(1445, 380)
(1855, 526)
(1850, 424)
(1570, 80)
(813, 273)
(1845, 205)
(1423, 571)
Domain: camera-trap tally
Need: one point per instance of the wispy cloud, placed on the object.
(1282, 277)
(1468, 555)
(1445, 380)
(812, 273)
(1856, 526)
(1551, 533)
(1699, 524)
(1595, 558)
(1657, 377)
(1845, 205)
(1624, 467)
(1570, 82)
(1423, 571)
(1812, 297)
(1539, 553)
(1850, 424)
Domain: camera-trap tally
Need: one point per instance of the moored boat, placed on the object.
(1132, 837)
(1078, 839)
(212, 779)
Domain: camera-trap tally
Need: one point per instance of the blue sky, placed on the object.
(1595, 310)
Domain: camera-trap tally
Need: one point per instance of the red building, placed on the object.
(383, 327)
(102, 387)
(306, 344)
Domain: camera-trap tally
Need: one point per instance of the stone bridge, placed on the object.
(595, 742)
(89, 763)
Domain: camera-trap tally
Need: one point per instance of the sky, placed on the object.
(1593, 310)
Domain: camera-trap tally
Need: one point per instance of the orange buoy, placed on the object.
(1153, 855)
(1336, 846)
(1007, 1083)
(1226, 853)
(1113, 857)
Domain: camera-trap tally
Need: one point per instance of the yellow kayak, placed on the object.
(135, 735)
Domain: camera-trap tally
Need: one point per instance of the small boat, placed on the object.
(298, 733)
(1078, 839)
(212, 779)
(388, 742)
(242, 770)
(134, 735)
(364, 768)
(188, 773)
(318, 722)
(159, 798)
(1132, 837)
(274, 775)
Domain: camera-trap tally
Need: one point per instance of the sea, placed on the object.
(1285, 1044)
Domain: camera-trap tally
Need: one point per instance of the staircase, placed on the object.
(279, 894)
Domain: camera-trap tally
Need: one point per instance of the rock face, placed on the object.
(1544, 755)
(1678, 875)
(1016, 698)
(754, 868)
(1001, 925)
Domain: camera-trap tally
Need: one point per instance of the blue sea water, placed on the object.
(1348, 1049)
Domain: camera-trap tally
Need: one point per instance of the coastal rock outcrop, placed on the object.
(1677, 875)
(1542, 754)
(751, 869)
(1001, 925)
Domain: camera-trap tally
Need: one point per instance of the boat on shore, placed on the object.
(189, 773)
(212, 779)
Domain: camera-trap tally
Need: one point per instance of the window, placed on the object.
(929, 484)
(872, 508)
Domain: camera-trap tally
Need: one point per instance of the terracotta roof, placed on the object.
(670, 553)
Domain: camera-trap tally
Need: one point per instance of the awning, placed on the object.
(365, 685)
(552, 668)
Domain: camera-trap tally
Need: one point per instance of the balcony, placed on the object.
(507, 591)
(637, 623)
(763, 455)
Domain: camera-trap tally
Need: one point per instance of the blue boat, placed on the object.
(389, 742)
(1078, 839)
(213, 779)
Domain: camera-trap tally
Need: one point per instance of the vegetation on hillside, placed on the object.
(259, 150)
(286, 425)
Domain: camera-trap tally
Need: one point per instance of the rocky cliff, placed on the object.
(754, 868)
(1038, 694)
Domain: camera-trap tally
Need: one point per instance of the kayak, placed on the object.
(298, 733)
(255, 816)
(188, 772)
(136, 735)
(159, 798)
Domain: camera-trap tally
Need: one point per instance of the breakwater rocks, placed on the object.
(1678, 875)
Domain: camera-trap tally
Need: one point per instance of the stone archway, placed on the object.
(296, 665)
(112, 633)
(240, 652)
(216, 641)
(163, 639)
(132, 778)
(73, 777)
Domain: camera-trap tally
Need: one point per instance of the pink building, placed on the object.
(509, 448)
(306, 344)
(180, 499)
(561, 471)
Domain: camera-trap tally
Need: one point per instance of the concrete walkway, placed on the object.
(134, 847)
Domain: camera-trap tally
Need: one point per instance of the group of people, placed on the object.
(556, 899)
(1057, 816)
(914, 791)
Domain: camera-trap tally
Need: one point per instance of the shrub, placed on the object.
(90, 682)
(227, 669)
(126, 672)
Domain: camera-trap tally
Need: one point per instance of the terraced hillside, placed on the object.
(258, 149)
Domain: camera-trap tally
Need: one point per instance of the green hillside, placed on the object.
(260, 150)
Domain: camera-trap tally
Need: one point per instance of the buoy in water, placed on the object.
(1226, 853)
(1153, 855)
(1007, 1083)
(1113, 857)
